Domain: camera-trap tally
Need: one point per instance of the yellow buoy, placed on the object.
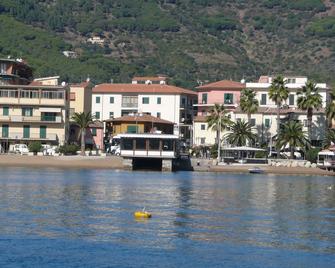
(142, 214)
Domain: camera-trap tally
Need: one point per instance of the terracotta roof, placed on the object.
(223, 84)
(82, 84)
(36, 83)
(96, 124)
(151, 78)
(140, 118)
(141, 88)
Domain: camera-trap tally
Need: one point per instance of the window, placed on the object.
(132, 129)
(26, 132)
(267, 122)
(97, 99)
(3, 68)
(238, 119)
(228, 98)
(204, 98)
(27, 111)
(111, 114)
(43, 132)
(29, 94)
(97, 115)
(291, 80)
(94, 131)
(72, 96)
(145, 100)
(291, 99)
(263, 99)
(305, 123)
(53, 95)
(183, 101)
(140, 144)
(159, 115)
(253, 122)
(202, 140)
(5, 131)
(159, 100)
(154, 144)
(111, 99)
(48, 117)
(127, 144)
(129, 101)
(167, 145)
(203, 127)
(5, 111)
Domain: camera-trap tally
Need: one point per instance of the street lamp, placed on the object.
(219, 139)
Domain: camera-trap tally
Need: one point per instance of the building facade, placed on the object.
(170, 103)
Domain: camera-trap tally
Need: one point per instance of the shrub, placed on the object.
(35, 147)
(312, 154)
(69, 149)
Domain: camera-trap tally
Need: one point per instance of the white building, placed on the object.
(265, 120)
(171, 103)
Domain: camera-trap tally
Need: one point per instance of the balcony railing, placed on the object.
(31, 136)
(129, 105)
(20, 118)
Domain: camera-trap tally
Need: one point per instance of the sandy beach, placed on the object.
(114, 162)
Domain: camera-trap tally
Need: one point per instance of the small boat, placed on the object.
(256, 170)
(142, 214)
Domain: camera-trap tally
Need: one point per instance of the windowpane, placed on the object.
(263, 99)
(154, 144)
(111, 100)
(291, 99)
(140, 144)
(159, 100)
(253, 122)
(145, 100)
(97, 99)
(5, 110)
(97, 115)
(167, 145)
(228, 98)
(204, 98)
(127, 144)
(267, 122)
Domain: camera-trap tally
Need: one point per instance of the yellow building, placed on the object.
(33, 112)
(80, 98)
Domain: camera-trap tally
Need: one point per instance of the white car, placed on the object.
(21, 149)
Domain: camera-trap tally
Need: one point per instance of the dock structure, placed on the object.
(149, 151)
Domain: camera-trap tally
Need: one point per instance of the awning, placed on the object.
(50, 110)
(243, 148)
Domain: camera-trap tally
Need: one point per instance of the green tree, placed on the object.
(248, 102)
(292, 134)
(83, 120)
(218, 120)
(241, 133)
(278, 93)
(329, 138)
(330, 109)
(309, 99)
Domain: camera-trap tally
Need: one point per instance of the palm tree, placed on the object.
(329, 138)
(218, 120)
(83, 120)
(309, 99)
(330, 109)
(248, 103)
(278, 93)
(292, 134)
(241, 133)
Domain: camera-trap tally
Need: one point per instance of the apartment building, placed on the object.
(15, 72)
(158, 99)
(33, 112)
(265, 120)
(224, 92)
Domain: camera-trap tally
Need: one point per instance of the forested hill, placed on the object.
(188, 40)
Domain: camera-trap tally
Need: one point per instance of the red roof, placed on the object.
(140, 118)
(141, 88)
(223, 84)
(82, 84)
(35, 83)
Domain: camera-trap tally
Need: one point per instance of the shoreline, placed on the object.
(115, 162)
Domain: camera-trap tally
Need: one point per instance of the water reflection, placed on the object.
(265, 211)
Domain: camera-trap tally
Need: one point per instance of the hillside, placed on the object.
(188, 40)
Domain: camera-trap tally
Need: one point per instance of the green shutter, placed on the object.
(94, 131)
(132, 129)
(267, 122)
(5, 111)
(291, 99)
(5, 131)
(263, 100)
(43, 132)
(26, 132)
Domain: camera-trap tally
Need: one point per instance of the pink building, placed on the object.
(95, 135)
(224, 92)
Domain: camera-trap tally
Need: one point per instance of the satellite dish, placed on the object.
(63, 84)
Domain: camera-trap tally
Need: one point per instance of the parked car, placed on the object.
(47, 149)
(20, 148)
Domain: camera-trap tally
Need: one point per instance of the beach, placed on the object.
(115, 162)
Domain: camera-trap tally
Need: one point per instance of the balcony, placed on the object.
(31, 136)
(20, 118)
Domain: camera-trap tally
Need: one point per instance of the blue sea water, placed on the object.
(84, 218)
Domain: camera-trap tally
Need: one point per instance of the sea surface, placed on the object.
(84, 218)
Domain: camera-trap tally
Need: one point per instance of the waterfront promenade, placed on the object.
(115, 162)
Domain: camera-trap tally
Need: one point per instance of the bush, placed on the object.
(312, 154)
(35, 147)
(69, 149)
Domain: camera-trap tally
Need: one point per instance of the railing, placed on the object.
(129, 105)
(20, 118)
(31, 136)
